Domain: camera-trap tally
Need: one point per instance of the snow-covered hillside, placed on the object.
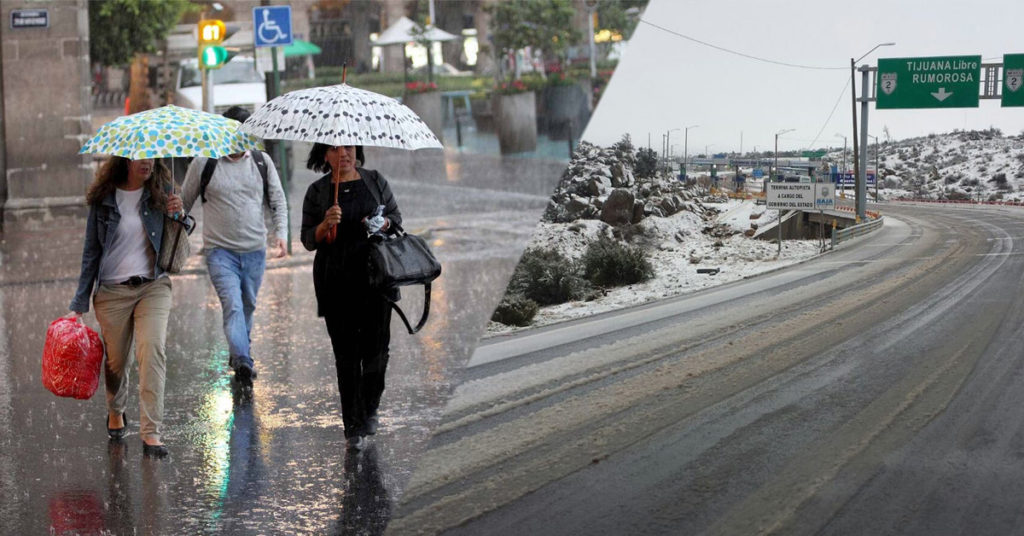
(977, 165)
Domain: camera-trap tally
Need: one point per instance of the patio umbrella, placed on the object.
(341, 115)
(403, 31)
(170, 131)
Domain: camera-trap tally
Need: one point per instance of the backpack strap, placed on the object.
(261, 165)
(204, 181)
(423, 318)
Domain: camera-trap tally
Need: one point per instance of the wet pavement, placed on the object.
(274, 462)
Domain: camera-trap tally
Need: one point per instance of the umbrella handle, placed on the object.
(344, 71)
(332, 232)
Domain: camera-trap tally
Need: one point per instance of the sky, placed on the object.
(666, 82)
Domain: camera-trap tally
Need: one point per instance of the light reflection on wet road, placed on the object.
(275, 463)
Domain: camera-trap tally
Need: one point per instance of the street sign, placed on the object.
(30, 18)
(790, 196)
(1013, 80)
(272, 26)
(824, 196)
(814, 154)
(932, 82)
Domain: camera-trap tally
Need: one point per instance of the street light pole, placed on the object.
(876, 166)
(667, 138)
(853, 95)
(686, 148)
(842, 171)
(776, 171)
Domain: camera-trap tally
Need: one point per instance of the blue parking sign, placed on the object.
(272, 26)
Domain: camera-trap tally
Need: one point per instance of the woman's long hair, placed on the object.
(114, 173)
(317, 160)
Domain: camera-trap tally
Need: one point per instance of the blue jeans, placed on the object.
(237, 278)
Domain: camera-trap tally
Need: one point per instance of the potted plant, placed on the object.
(567, 105)
(424, 99)
(515, 116)
(515, 25)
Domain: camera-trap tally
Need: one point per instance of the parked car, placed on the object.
(236, 83)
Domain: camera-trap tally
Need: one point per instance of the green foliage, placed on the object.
(547, 277)
(612, 16)
(624, 145)
(544, 24)
(608, 263)
(118, 29)
(515, 310)
(646, 163)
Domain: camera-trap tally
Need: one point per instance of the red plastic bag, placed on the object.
(71, 359)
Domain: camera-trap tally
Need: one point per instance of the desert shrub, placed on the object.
(999, 179)
(608, 263)
(646, 163)
(515, 310)
(547, 277)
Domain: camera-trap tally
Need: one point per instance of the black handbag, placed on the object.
(174, 246)
(398, 260)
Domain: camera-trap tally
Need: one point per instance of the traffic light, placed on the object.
(211, 34)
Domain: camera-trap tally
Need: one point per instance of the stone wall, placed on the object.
(46, 114)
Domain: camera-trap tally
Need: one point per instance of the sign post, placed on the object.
(272, 27)
(932, 82)
(1013, 80)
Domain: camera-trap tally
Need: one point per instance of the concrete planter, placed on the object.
(568, 110)
(428, 107)
(515, 117)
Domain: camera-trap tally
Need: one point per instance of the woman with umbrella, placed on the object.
(124, 231)
(127, 202)
(339, 213)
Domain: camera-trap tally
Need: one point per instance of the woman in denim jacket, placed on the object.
(132, 295)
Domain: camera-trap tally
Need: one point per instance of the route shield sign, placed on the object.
(1013, 80)
(933, 82)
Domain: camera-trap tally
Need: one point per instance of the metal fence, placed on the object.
(857, 230)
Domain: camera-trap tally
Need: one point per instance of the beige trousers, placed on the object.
(136, 314)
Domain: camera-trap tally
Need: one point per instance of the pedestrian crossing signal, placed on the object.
(212, 57)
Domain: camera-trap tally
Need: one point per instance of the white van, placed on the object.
(236, 83)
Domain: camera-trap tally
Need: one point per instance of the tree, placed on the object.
(616, 16)
(543, 24)
(646, 163)
(122, 31)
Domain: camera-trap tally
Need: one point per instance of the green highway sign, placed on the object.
(1013, 80)
(933, 82)
(813, 154)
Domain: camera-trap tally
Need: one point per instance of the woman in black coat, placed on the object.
(358, 317)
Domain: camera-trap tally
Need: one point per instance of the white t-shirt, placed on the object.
(130, 252)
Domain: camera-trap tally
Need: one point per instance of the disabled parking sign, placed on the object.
(272, 26)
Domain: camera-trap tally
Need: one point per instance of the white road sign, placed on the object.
(790, 196)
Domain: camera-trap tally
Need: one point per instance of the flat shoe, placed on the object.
(116, 433)
(156, 451)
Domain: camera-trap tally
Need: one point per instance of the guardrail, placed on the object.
(857, 230)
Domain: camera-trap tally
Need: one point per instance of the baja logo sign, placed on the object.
(888, 83)
(1014, 79)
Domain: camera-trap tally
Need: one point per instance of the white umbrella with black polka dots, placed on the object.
(341, 115)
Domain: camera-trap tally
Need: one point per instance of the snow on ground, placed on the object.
(682, 249)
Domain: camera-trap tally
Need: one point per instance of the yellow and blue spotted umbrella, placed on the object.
(170, 131)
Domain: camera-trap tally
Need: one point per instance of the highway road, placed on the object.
(877, 389)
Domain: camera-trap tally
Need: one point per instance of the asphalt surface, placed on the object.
(874, 390)
(275, 462)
